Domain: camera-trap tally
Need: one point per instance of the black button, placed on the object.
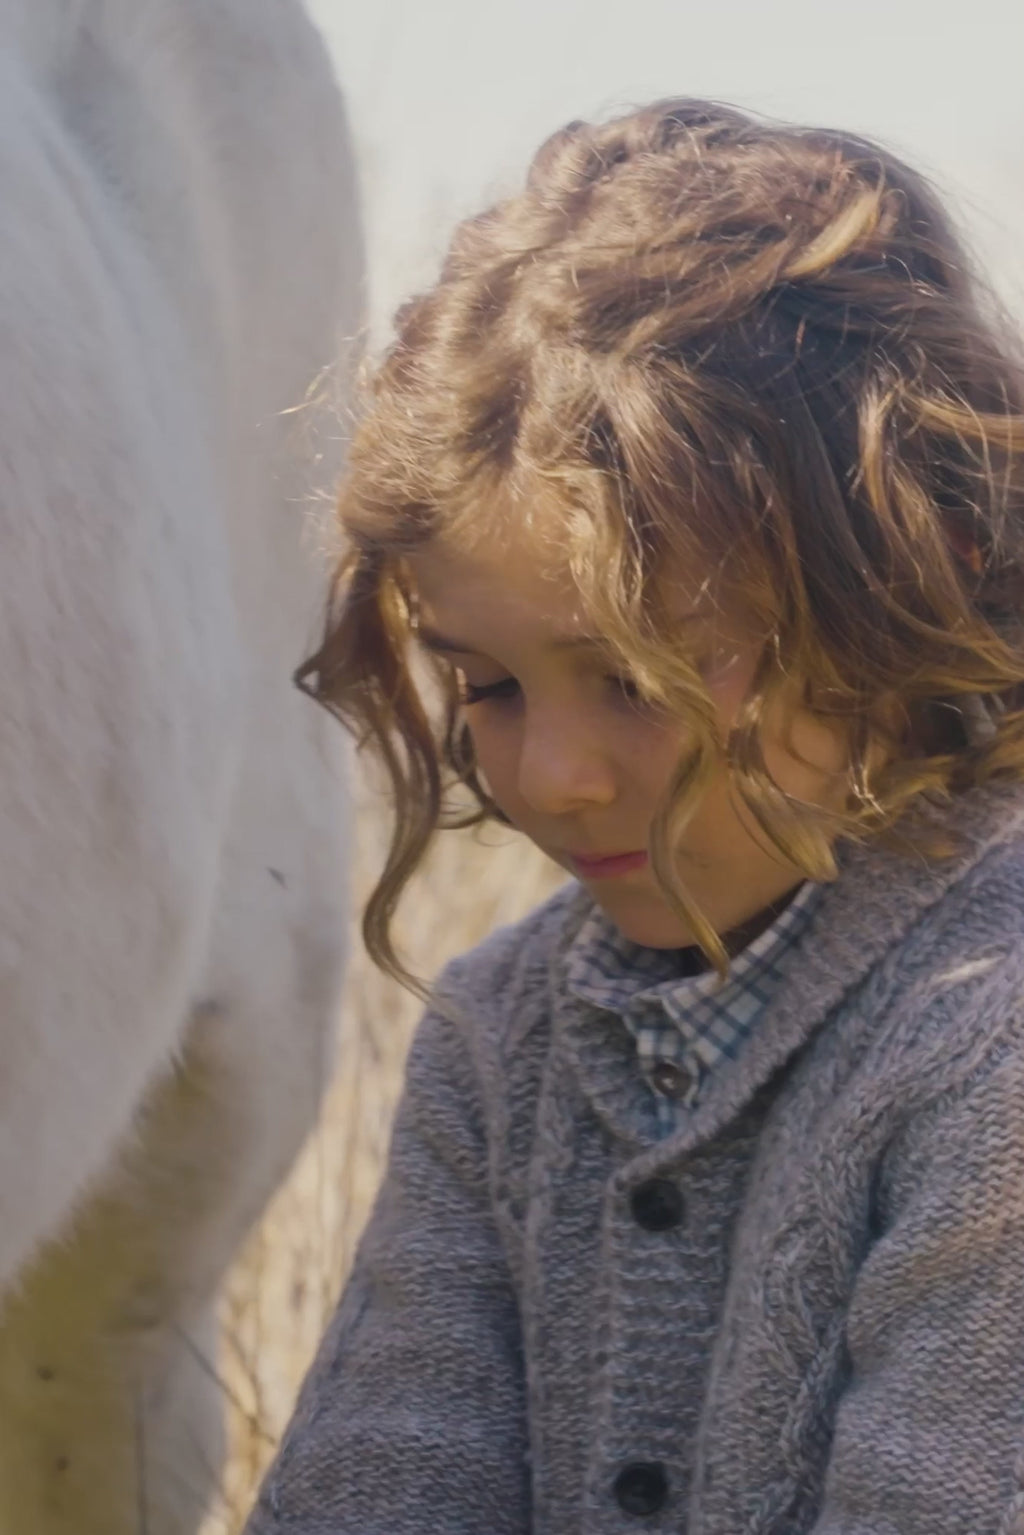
(641, 1488)
(657, 1205)
(670, 1079)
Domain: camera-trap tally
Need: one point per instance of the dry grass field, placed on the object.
(283, 1289)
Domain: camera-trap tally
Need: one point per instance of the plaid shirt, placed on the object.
(684, 1020)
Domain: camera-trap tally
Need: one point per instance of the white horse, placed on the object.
(179, 252)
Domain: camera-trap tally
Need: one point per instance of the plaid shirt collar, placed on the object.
(684, 1023)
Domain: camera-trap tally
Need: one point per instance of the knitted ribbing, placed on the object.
(829, 1337)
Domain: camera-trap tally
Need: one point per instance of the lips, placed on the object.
(607, 866)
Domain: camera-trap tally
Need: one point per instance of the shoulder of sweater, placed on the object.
(954, 986)
(500, 986)
(980, 915)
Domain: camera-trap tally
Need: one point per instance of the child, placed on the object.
(697, 478)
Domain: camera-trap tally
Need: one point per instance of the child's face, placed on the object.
(581, 768)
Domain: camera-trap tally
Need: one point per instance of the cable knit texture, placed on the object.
(825, 1333)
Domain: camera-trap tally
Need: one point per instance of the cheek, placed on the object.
(807, 758)
(649, 752)
(496, 751)
(803, 753)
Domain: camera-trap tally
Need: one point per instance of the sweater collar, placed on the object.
(880, 895)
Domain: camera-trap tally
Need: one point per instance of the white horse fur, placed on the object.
(179, 255)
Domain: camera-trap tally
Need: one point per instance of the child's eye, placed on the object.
(507, 687)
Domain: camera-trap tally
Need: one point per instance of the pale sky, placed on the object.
(449, 98)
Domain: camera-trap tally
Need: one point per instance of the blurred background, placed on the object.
(450, 97)
(448, 100)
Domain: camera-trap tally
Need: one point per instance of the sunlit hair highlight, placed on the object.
(711, 343)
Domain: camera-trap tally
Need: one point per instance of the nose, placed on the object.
(563, 763)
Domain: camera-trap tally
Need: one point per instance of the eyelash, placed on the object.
(469, 694)
(507, 688)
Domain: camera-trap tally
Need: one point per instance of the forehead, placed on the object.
(510, 593)
(528, 531)
(494, 586)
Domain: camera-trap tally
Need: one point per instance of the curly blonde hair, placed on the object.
(726, 341)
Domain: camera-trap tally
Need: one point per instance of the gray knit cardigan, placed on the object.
(801, 1312)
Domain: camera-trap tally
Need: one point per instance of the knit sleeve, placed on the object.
(413, 1418)
(929, 1433)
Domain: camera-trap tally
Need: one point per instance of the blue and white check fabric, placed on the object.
(685, 1021)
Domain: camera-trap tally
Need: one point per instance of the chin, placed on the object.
(651, 928)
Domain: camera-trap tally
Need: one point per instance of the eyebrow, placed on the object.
(433, 639)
